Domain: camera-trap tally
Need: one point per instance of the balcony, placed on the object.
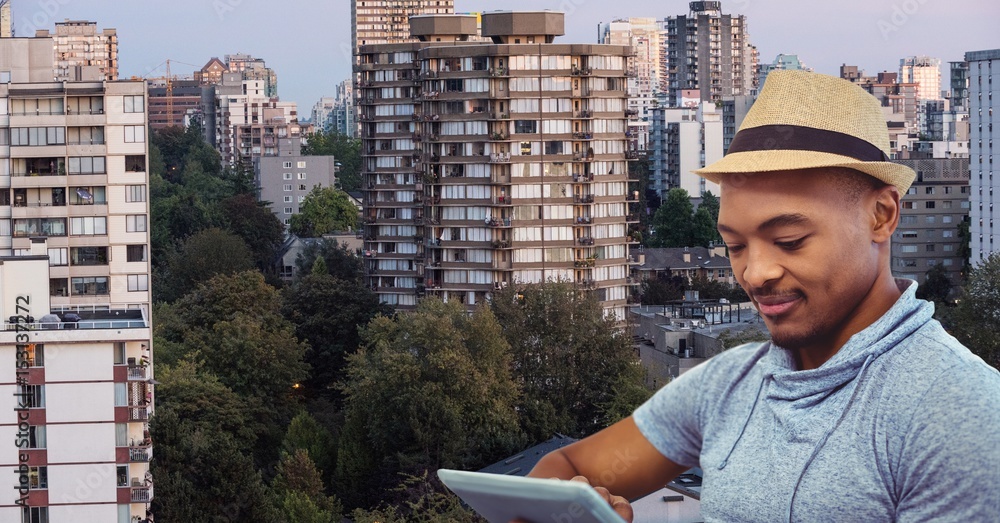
(501, 244)
(586, 198)
(503, 200)
(500, 158)
(583, 178)
(137, 373)
(585, 240)
(138, 454)
(499, 137)
(138, 413)
(499, 116)
(583, 136)
(141, 494)
(582, 71)
(498, 222)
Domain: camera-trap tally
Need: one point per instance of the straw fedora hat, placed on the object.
(804, 120)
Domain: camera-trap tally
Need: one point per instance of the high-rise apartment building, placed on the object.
(249, 124)
(488, 164)
(175, 103)
(643, 76)
(932, 210)
(782, 62)
(925, 72)
(984, 127)
(77, 391)
(684, 139)
(81, 51)
(388, 21)
(343, 119)
(958, 95)
(708, 51)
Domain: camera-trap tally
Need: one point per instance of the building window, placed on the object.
(135, 163)
(948, 234)
(58, 257)
(929, 219)
(122, 475)
(287, 187)
(928, 190)
(135, 253)
(86, 136)
(525, 126)
(287, 176)
(89, 255)
(302, 176)
(121, 395)
(58, 287)
(301, 164)
(33, 514)
(907, 205)
(36, 437)
(88, 226)
(929, 205)
(908, 248)
(135, 193)
(288, 199)
(33, 354)
(120, 353)
(302, 198)
(288, 210)
(287, 165)
(135, 134)
(92, 286)
(930, 247)
(135, 223)
(87, 165)
(138, 282)
(302, 187)
(38, 478)
(39, 227)
(31, 396)
(87, 195)
(135, 104)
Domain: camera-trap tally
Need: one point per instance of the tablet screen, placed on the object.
(500, 498)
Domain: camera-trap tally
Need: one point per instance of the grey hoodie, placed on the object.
(902, 424)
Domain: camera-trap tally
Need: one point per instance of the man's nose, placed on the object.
(763, 266)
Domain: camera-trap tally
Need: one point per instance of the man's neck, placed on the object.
(879, 299)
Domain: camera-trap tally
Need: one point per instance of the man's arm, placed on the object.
(618, 458)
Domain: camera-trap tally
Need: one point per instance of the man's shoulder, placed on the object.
(931, 367)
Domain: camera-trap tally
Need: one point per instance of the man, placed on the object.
(861, 408)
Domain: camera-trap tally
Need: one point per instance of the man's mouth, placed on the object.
(774, 306)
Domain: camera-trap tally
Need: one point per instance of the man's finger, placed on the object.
(622, 507)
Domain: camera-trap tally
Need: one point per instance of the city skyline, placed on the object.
(871, 35)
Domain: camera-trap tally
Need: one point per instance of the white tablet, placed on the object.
(500, 498)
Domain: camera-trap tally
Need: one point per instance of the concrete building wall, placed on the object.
(934, 207)
(984, 126)
(285, 181)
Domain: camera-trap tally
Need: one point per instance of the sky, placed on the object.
(307, 42)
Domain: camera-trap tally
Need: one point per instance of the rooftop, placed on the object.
(522, 463)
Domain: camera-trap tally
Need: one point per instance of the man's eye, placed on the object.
(734, 248)
(792, 245)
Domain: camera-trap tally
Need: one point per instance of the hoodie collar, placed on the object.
(807, 387)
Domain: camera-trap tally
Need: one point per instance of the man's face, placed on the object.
(802, 252)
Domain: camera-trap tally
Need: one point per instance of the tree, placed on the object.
(306, 434)
(571, 361)
(430, 389)
(339, 261)
(936, 287)
(325, 210)
(346, 151)
(231, 326)
(660, 290)
(262, 231)
(300, 485)
(672, 223)
(328, 313)
(976, 319)
(203, 256)
(204, 436)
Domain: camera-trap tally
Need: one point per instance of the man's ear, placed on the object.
(885, 213)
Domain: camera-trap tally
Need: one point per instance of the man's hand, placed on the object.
(620, 505)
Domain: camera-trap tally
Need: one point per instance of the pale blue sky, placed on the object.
(305, 40)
